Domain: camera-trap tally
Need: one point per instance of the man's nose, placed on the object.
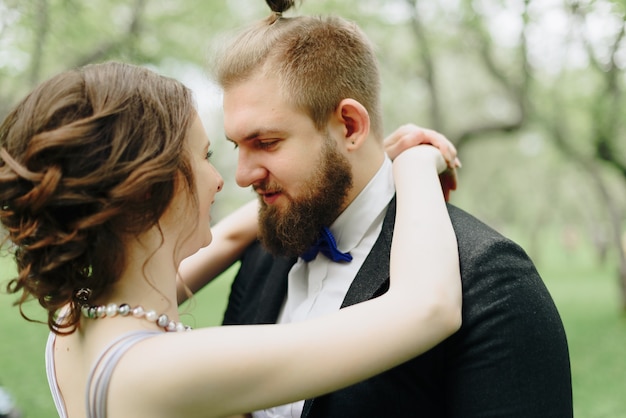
(250, 169)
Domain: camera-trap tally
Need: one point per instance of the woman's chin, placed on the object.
(206, 241)
(198, 245)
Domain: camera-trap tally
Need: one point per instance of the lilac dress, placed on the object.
(100, 375)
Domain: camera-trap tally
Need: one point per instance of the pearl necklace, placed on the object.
(111, 310)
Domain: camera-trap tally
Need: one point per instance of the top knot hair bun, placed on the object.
(280, 6)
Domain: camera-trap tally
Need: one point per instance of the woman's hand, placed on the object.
(409, 135)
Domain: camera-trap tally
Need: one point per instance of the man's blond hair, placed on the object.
(318, 61)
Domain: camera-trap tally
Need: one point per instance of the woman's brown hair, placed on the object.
(90, 157)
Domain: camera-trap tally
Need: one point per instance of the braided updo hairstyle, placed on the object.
(88, 158)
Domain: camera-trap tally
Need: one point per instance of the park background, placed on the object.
(530, 91)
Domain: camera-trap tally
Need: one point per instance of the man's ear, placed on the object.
(354, 121)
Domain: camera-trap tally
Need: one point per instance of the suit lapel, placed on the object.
(274, 292)
(374, 273)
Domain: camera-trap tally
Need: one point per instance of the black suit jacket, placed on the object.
(509, 359)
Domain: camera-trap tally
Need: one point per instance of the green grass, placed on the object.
(588, 300)
(585, 293)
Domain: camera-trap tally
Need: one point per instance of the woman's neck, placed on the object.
(149, 279)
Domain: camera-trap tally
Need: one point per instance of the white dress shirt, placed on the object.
(319, 286)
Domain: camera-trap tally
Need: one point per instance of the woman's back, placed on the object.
(98, 380)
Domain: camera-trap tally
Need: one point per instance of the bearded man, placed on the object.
(302, 106)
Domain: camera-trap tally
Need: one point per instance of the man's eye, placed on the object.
(266, 144)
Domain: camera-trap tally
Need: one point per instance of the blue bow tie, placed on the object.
(327, 245)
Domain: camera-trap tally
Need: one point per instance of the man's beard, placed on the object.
(292, 230)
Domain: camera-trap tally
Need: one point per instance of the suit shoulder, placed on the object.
(466, 222)
(479, 243)
(471, 231)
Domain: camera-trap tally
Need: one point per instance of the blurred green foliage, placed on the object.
(530, 91)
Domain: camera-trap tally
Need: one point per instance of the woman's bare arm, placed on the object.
(228, 370)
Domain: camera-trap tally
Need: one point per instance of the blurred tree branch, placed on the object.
(126, 39)
(558, 127)
(608, 110)
(42, 27)
(519, 85)
(516, 91)
(608, 102)
(469, 83)
(428, 63)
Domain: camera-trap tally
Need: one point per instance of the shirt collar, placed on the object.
(354, 222)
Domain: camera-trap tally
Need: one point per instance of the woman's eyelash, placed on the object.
(209, 154)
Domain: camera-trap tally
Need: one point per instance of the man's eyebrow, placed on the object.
(258, 133)
(246, 138)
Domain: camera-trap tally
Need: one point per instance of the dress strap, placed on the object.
(100, 375)
(52, 377)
